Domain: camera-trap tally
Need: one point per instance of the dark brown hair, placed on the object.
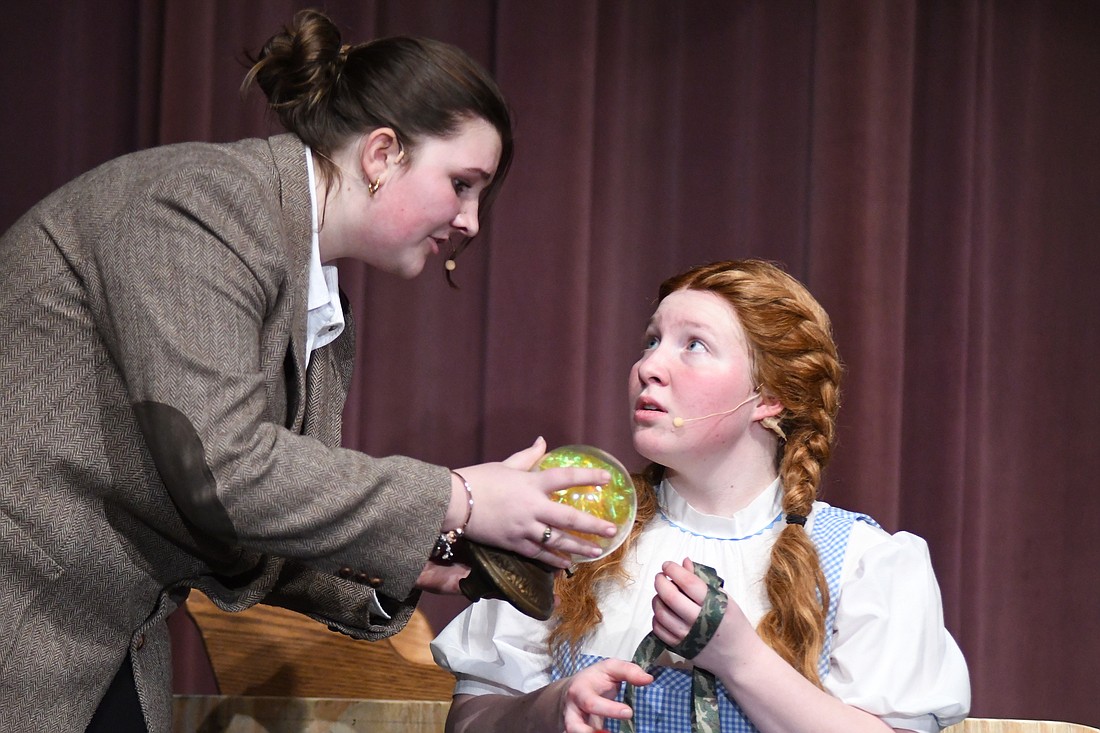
(794, 358)
(326, 92)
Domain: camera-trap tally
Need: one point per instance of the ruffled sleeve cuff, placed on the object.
(491, 648)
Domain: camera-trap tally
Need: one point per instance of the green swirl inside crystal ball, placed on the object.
(616, 502)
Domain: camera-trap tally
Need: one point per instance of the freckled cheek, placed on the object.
(703, 398)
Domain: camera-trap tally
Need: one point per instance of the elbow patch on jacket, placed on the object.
(178, 454)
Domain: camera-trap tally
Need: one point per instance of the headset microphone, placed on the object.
(678, 422)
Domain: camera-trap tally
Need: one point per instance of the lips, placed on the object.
(647, 409)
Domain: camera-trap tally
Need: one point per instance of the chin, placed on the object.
(409, 270)
(649, 447)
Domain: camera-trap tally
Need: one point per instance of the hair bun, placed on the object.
(298, 67)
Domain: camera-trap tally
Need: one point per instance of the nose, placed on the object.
(650, 367)
(466, 220)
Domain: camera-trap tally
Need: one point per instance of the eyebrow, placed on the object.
(687, 323)
(481, 173)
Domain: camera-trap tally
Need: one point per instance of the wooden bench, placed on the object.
(279, 671)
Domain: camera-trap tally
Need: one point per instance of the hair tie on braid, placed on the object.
(798, 519)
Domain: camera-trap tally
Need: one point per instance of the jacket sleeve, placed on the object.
(340, 604)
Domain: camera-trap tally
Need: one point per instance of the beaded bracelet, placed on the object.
(444, 546)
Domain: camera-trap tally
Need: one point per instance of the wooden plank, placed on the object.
(267, 651)
(995, 725)
(228, 714)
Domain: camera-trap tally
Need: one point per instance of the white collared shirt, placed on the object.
(325, 316)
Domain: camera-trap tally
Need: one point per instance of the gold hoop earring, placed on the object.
(373, 186)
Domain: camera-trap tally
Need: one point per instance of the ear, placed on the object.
(379, 150)
(769, 406)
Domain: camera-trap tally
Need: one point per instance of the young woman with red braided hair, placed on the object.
(825, 622)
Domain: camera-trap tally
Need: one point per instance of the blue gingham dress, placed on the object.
(664, 706)
(884, 605)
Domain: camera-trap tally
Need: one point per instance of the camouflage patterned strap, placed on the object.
(704, 688)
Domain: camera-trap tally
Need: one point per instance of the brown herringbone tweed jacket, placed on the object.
(158, 432)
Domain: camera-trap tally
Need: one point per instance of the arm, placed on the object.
(194, 289)
(773, 695)
(576, 704)
(892, 654)
(195, 277)
(503, 665)
(504, 713)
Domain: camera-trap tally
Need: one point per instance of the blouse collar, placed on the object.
(761, 513)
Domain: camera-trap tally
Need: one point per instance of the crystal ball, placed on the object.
(615, 502)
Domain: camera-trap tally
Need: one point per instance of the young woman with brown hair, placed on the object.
(174, 359)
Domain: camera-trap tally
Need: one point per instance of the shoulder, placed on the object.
(174, 175)
(251, 193)
(255, 190)
(828, 519)
(257, 162)
(833, 528)
(241, 167)
(865, 543)
(889, 611)
(193, 207)
(865, 534)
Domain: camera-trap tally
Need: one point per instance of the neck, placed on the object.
(351, 176)
(725, 484)
(336, 194)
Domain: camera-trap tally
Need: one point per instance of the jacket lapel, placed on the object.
(327, 382)
(289, 163)
(315, 396)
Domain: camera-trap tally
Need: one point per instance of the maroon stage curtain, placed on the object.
(930, 169)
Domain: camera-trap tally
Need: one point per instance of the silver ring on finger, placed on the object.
(547, 534)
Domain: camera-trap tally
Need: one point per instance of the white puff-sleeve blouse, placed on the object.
(890, 655)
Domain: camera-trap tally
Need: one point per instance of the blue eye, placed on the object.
(651, 343)
(696, 345)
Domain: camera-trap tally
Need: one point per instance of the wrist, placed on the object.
(737, 661)
(462, 497)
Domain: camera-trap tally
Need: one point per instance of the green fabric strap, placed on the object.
(704, 688)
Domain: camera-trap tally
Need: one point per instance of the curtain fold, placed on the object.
(930, 169)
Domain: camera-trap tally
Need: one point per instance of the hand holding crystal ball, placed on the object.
(614, 502)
